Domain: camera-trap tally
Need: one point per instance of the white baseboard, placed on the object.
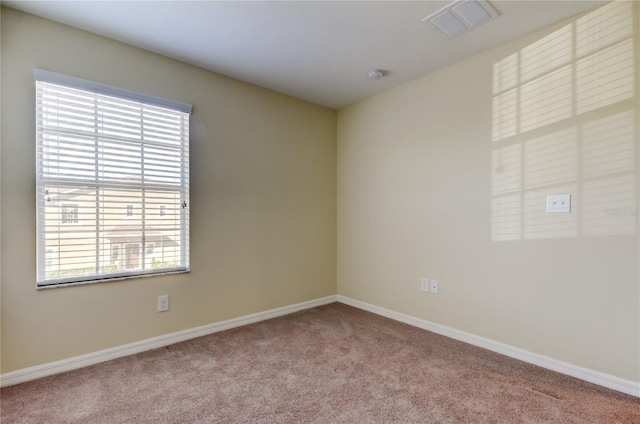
(44, 370)
(595, 377)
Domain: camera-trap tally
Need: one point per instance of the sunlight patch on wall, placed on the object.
(506, 213)
(506, 185)
(609, 146)
(505, 74)
(565, 121)
(605, 77)
(536, 84)
(507, 170)
(551, 159)
(547, 54)
(547, 99)
(505, 115)
(604, 26)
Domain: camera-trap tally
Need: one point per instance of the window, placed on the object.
(69, 214)
(104, 150)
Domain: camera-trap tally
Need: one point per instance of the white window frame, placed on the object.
(45, 177)
(52, 257)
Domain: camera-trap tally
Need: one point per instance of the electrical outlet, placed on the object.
(163, 303)
(434, 286)
(424, 285)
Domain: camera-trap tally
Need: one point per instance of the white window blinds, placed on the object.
(112, 182)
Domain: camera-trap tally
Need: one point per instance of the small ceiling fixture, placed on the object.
(461, 16)
(375, 74)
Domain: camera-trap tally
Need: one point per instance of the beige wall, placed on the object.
(446, 177)
(263, 201)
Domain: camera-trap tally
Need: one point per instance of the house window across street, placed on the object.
(69, 214)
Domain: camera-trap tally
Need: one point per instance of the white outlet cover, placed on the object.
(434, 286)
(559, 203)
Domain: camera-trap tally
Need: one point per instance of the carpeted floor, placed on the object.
(331, 364)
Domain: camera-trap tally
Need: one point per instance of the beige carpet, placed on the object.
(332, 364)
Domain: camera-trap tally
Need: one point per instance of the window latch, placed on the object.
(184, 205)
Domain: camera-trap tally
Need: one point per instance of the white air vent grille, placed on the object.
(461, 16)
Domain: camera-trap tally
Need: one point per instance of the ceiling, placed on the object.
(320, 51)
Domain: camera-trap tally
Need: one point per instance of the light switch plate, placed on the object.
(424, 285)
(559, 203)
(163, 303)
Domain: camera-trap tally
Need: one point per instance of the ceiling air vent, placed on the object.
(461, 16)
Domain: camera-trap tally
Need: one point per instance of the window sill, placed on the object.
(55, 285)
